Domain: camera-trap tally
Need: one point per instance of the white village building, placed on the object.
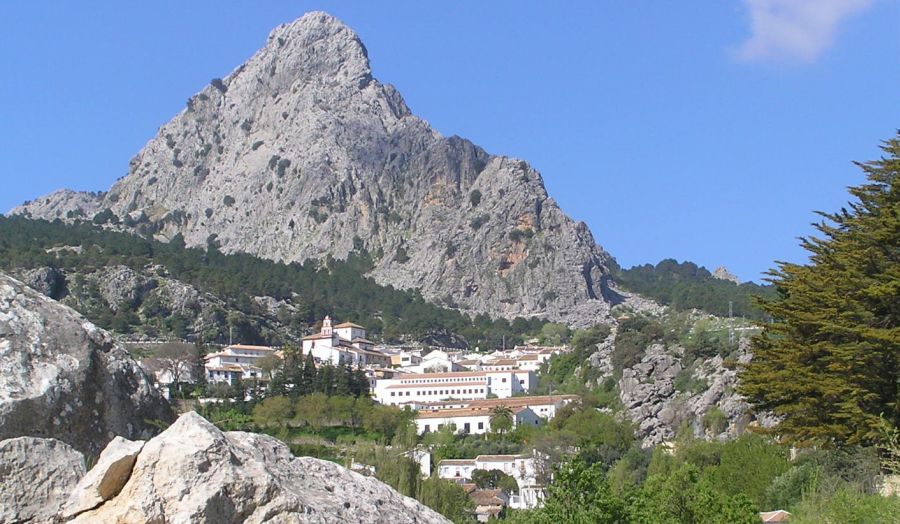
(467, 385)
(236, 362)
(436, 361)
(544, 406)
(470, 421)
(520, 467)
(344, 344)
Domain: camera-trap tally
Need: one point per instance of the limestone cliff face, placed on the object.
(300, 153)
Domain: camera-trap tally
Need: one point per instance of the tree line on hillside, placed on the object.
(685, 285)
(333, 287)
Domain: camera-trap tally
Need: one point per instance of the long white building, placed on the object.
(470, 421)
(544, 406)
(463, 385)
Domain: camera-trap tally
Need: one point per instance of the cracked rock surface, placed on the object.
(36, 477)
(193, 472)
(63, 377)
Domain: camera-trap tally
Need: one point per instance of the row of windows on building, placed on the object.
(466, 427)
(443, 392)
(227, 373)
(440, 379)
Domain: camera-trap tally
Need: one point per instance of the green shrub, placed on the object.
(475, 197)
(401, 256)
(715, 420)
(847, 506)
(479, 221)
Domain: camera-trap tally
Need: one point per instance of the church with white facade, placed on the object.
(344, 343)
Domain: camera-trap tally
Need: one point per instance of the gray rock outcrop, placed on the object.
(301, 154)
(36, 477)
(47, 280)
(662, 392)
(192, 472)
(722, 273)
(62, 377)
(64, 204)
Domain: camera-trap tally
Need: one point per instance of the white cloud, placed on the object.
(795, 29)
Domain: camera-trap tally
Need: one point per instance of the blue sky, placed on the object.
(702, 131)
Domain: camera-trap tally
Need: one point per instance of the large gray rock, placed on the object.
(62, 377)
(36, 477)
(299, 154)
(192, 472)
(47, 280)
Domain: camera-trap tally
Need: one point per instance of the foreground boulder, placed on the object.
(62, 377)
(36, 477)
(193, 472)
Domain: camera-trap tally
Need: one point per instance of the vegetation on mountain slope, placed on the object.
(685, 285)
(334, 287)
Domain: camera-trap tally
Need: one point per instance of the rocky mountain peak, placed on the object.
(300, 154)
(318, 45)
(722, 273)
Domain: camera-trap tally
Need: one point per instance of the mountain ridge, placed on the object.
(300, 153)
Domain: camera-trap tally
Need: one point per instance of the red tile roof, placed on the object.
(438, 385)
(452, 413)
(348, 325)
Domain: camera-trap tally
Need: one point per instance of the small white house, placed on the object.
(520, 467)
(236, 362)
(435, 362)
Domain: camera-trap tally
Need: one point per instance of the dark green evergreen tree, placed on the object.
(828, 364)
(306, 383)
(342, 380)
(325, 379)
(360, 383)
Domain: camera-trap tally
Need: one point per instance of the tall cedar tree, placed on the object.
(828, 363)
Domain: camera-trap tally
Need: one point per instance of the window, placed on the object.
(480, 425)
(392, 393)
(466, 428)
(427, 428)
(521, 382)
(504, 380)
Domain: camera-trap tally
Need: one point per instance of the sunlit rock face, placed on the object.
(300, 154)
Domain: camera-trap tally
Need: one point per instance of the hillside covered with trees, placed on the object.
(685, 285)
(334, 287)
